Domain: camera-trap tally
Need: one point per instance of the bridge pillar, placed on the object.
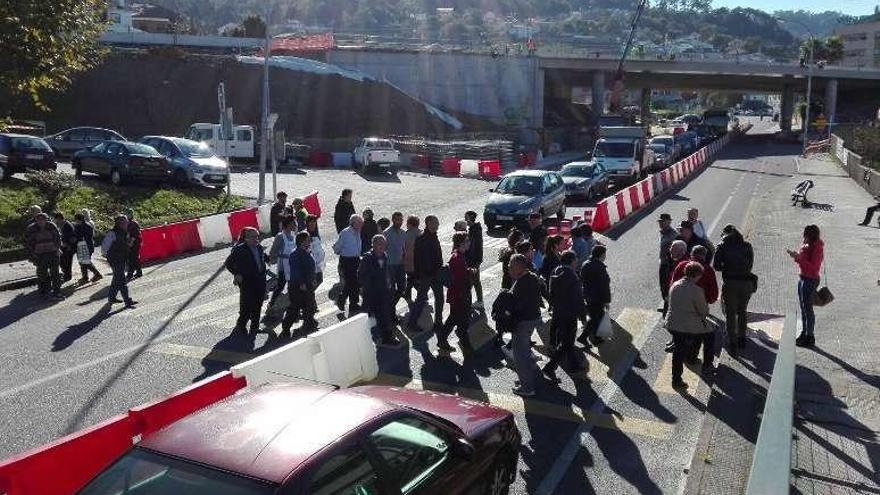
(786, 108)
(598, 90)
(645, 106)
(831, 101)
(536, 112)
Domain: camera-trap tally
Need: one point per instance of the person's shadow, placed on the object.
(66, 338)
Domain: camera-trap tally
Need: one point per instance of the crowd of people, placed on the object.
(53, 244)
(382, 262)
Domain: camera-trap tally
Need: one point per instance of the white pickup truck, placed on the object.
(376, 154)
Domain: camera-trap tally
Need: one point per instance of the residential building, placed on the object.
(861, 44)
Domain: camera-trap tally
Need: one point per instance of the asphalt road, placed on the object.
(618, 429)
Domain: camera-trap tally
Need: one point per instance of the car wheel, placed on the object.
(498, 479)
(2, 172)
(115, 177)
(77, 170)
(180, 178)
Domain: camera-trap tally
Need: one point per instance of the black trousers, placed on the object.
(348, 269)
(379, 307)
(134, 260)
(596, 312)
(563, 350)
(685, 346)
(423, 286)
(86, 269)
(869, 213)
(663, 275)
(302, 306)
(477, 284)
(67, 264)
(48, 277)
(459, 320)
(250, 302)
(281, 281)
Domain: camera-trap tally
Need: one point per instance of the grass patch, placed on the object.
(151, 206)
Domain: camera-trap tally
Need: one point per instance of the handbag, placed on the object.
(83, 255)
(823, 296)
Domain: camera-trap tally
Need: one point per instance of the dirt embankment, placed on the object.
(140, 93)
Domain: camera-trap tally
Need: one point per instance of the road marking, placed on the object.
(718, 216)
(201, 353)
(629, 318)
(691, 376)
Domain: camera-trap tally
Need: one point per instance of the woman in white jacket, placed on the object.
(317, 249)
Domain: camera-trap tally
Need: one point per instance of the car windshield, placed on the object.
(520, 185)
(29, 143)
(577, 171)
(145, 473)
(193, 149)
(141, 149)
(614, 150)
(658, 148)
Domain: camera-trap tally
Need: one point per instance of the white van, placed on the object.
(241, 147)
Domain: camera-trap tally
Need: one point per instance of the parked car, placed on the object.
(376, 154)
(310, 439)
(67, 143)
(522, 193)
(190, 162)
(673, 148)
(685, 143)
(121, 161)
(661, 156)
(584, 180)
(20, 152)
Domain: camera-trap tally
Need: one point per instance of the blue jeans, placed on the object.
(806, 288)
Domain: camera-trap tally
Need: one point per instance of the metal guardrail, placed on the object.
(771, 462)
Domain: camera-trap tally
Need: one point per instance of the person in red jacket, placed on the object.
(708, 281)
(809, 260)
(458, 295)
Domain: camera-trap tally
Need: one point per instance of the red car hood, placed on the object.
(472, 417)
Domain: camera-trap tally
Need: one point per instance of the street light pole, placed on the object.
(264, 135)
(806, 123)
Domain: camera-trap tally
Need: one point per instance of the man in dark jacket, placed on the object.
(597, 290)
(474, 255)
(68, 245)
(667, 236)
(301, 287)
(247, 264)
(344, 210)
(117, 250)
(375, 282)
(43, 243)
(368, 230)
(526, 292)
(276, 213)
(428, 261)
(535, 230)
(567, 299)
(134, 253)
(686, 234)
(734, 259)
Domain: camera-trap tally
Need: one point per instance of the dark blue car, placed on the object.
(121, 161)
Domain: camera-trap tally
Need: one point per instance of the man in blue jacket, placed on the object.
(301, 288)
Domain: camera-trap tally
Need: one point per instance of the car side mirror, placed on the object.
(463, 448)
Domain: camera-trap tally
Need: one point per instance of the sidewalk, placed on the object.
(835, 444)
(16, 275)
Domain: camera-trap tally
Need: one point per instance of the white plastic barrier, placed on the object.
(264, 215)
(342, 160)
(470, 168)
(214, 230)
(349, 352)
(343, 354)
(293, 361)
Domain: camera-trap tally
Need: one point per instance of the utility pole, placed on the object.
(264, 135)
(806, 123)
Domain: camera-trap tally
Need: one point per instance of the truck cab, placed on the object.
(623, 152)
(240, 147)
(376, 154)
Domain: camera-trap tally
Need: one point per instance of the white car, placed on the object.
(190, 162)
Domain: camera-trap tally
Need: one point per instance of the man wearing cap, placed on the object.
(667, 236)
(43, 241)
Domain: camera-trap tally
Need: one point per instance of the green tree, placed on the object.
(44, 44)
(253, 27)
(829, 49)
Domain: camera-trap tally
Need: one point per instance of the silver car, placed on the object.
(190, 162)
(67, 143)
(584, 180)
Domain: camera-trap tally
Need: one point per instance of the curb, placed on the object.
(19, 283)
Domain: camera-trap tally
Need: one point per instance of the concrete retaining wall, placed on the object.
(867, 178)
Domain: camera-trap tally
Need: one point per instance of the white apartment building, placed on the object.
(861, 44)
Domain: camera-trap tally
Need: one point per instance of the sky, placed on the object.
(850, 7)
